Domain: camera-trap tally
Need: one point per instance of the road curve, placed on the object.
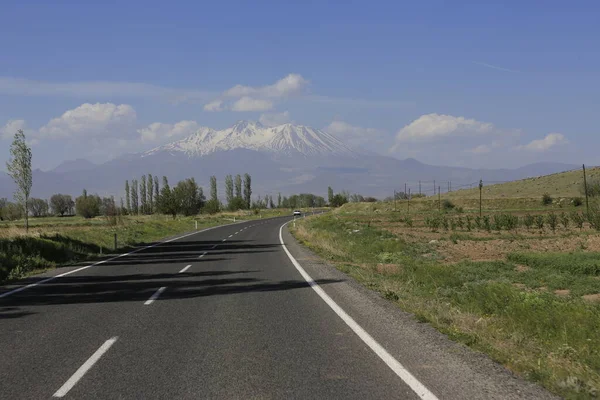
(225, 313)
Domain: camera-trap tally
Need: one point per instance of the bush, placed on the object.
(460, 223)
(546, 199)
(539, 221)
(478, 222)
(593, 188)
(498, 221)
(577, 201)
(447, 205)
(564, 219)
(552, 221)
(487, 223)
(444, 222)
(577, 219)
(453, 224)
(409, 221)
(469, 223)
(88, 206)
(594, 217)
(211, 207)
(528, 221)
(511, 222)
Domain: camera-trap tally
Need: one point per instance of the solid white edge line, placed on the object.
(391, 362)
(155, 296)
(64, 389)
(20, 289)
(185, 269)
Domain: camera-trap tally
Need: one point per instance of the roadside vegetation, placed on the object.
(521, 282)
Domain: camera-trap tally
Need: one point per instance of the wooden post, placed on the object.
(585, 188)
(409, 201)
(115, 240)
(439, 199)
(480, 189)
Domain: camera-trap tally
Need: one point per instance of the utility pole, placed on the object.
(480, 188)
(434, 187)
(419, 188)
(405, 188)
(408, 201)
(394, 200)
(587, 204)
(439, 199)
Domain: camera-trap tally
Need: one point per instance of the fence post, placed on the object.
(587, 204)
(439, 199)
(480, 189)
(196, 224)
(115, 240)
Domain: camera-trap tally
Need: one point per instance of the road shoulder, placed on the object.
(449, 369)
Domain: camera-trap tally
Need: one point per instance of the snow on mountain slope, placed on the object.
(284, 139)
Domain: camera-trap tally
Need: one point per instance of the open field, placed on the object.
(527, 296)
(565, 184)
(54, 241)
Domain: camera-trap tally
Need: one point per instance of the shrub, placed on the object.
(460, 210)
(511, 222)
(577, 219)
(469, 223)
(577, 201)
(594, 217)
(546, 199)
(498, 221)
(539, 221)
(444, 222)
(487, 223)
(453, 224)
(478, 222)
(460, 223)
(593, 188)
(528, 221)
(552, 220)
(409, 221)
(564, 219)
(447, 205)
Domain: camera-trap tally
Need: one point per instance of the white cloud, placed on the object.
(354, 135)
(255, 98)
(274, 119)
(551, 140)
(290, 85)
(91, 120)
(481, 149)
(216, 105)
(11, 127)
(158, 130)
(251, 104)
(434, 126)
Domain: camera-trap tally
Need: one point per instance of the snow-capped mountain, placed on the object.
(286, 139)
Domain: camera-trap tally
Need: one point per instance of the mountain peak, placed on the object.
(286, 139)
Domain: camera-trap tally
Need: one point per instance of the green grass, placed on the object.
(492, 306)
(56, 241)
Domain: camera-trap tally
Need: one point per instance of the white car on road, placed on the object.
(296, 212)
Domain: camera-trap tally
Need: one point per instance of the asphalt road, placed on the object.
(225, 313)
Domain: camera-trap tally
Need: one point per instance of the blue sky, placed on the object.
(452, 83)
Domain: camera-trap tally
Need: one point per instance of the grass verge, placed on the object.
(53, 242)
(505, 308)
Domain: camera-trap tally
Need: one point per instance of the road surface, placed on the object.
(226, 313)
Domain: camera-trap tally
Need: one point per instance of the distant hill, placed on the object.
(563, 184)
(283, 159)
(74, 165)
